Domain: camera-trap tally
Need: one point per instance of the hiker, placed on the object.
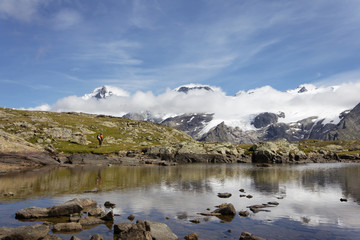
(100, 137)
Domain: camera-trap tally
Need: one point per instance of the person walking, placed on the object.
(100, 137)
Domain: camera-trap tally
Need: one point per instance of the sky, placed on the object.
(52, 49)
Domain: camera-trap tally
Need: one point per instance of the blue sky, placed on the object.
(50, 49)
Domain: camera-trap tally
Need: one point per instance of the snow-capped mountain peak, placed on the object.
(105, 92)
(190, 88)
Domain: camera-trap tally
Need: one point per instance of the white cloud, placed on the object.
(234, 110)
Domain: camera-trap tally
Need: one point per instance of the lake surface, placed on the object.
(308, 196)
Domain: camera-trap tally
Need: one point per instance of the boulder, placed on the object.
(139, 230)
(96, 237)
(244, 213)
(96, 212)
(31, 232)
(226, 210)
(192, 236)
(67, 227)
(32, 212)
(108, 217)
(65, 209)
(249, 236)
(224, 195)
(146, 230)
(161, 231)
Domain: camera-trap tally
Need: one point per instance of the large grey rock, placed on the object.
(32, 212)
(31, 232)
(66, 209)
(161, 231)
(144, 230)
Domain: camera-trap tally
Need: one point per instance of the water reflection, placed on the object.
(308, 194)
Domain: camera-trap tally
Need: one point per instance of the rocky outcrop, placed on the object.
(279, 151)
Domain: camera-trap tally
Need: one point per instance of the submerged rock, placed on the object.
(67, 227)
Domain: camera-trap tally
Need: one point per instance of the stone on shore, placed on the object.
(31, 232)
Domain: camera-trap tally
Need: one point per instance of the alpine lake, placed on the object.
(308, 196)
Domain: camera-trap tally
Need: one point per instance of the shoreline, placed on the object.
(17, 162)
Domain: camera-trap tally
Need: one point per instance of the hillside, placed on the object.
(76, 132)
(37, 138)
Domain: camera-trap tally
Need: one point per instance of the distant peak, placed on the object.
(194, 87)
(105, 92)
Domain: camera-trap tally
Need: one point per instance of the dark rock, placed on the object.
(96, 237)
(108, 204)
(108, 217)
(249, 196)
(273, 203)
(67, 227)
(242, 195)
(258, 208)
(343, 200)
(192, 236)
(224, 195)
(249, 236)
(38, 231)
(131, 217)
(74, 238)
(244, 213)
(228, 209)
(242, 190)
(195, 221)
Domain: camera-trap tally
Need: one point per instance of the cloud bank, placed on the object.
(238, 110)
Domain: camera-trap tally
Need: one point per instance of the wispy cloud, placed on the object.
(117, 52)
(22, 10)
(66, 18)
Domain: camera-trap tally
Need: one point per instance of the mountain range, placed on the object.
(262, 114)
